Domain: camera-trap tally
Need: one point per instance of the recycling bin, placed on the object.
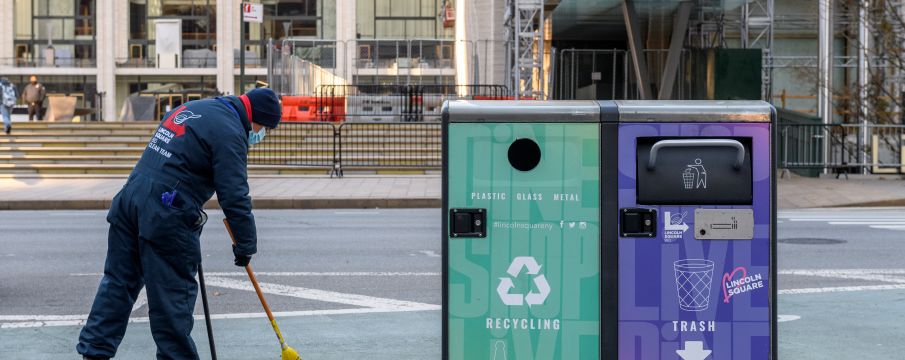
(521, 243)
(701, 283)
(608, 230)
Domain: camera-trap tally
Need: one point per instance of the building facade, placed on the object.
(104, 51)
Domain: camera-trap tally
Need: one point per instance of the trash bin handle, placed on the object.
(739, 158)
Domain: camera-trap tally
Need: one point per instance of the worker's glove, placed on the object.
(241, 260)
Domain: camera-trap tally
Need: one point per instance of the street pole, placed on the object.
(863, 80)
(825, 73)
(242, 52)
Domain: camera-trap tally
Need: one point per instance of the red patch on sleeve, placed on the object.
(178, 129)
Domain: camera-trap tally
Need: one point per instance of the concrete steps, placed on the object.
(114, 147)
(82, 168)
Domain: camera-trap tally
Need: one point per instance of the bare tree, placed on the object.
(878, 98)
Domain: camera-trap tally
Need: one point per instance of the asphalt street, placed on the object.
(366, 284)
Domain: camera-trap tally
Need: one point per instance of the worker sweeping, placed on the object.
(155, 220)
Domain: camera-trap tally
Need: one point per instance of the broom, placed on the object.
(288, 353)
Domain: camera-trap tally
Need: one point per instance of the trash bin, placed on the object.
(521, 249)
(699, 285)
(608, 230)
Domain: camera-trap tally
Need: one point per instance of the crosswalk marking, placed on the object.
(360, 304)
(892, 279)
(322, 295)
(875, 218)
(894, 227)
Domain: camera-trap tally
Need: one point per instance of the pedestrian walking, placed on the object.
(7, 101)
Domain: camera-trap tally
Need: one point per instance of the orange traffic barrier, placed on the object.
(314, 108)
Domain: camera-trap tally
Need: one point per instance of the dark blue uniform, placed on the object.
(155, 225)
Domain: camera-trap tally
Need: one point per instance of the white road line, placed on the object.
(894, 276)
(895, 279)
(841, 289)
(835, 272)
(350, 274)
(301, 273)
(898, 222)
(865, 277)
(34, 324)
(141, 300)
(889, 227)
(42, 317)
(430, 253)
(893, 216)
(884, 219)
(843, 216)
(322, 295)
(72, 213)
(785, 318)
(34, 321)
(863, 214)
(798, 219)
(367, 304)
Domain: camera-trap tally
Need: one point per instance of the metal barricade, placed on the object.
(842, 148)
(389, 145)
(298, 145)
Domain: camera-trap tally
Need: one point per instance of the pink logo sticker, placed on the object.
(734, 285)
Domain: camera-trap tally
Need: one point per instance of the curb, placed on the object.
(880, 203)
(323, 203)
(264, 203)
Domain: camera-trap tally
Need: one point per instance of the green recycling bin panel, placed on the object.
(522, 239)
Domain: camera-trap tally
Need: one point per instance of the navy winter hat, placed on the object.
(265, 107)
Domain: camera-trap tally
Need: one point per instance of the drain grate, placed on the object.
(811, 241)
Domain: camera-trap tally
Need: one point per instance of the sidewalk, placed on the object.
(803, 192)
(47, 192)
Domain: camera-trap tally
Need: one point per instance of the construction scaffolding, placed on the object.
(524, 21)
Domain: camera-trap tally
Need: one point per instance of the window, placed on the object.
(297, 18)
(68, 24)
(313, 21)
(401, 19)
(199, 23)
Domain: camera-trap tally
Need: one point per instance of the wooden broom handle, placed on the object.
(251, 275)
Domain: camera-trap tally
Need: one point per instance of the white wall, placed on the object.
(7, 29)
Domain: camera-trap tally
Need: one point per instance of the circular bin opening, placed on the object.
(524, 154)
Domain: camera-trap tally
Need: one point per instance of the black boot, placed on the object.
(86, 357)
(8, 129)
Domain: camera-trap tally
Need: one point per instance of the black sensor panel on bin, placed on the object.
(694, 171)
(467, 223)
(638, 222)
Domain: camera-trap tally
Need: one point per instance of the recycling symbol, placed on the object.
(540, 281)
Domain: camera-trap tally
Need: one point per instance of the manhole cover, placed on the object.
(811, 241)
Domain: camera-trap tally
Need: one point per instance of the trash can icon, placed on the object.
(688, 179)
(693, 283)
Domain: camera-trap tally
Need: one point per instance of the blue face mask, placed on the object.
(256, 137)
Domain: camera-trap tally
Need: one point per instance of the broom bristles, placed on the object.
(290, 354)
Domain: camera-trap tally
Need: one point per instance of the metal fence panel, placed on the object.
(390, 145)
(298, 144)
(842, 147)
